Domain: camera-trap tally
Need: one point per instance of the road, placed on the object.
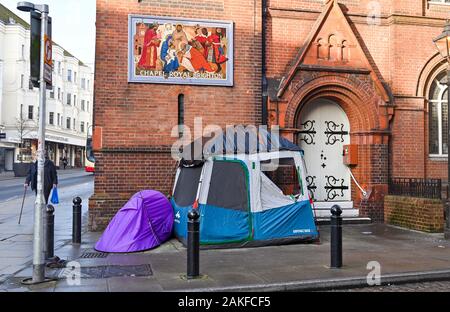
(16, 245)
(13, 188)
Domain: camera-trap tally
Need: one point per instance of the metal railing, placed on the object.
(422, 188)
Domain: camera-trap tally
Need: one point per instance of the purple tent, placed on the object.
(143, 223)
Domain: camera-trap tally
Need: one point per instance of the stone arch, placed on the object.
(353, 95)
(431, 69)
(322, 52)
(345, 51)
(333, 49)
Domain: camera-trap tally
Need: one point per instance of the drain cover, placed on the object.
(93, 255)
(92, 272)
(116, 271)
(128, 270)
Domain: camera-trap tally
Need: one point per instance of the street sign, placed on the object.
(35, 50)
(2, 135)
(48, 60)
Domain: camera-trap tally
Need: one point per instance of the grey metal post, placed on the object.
(50, 232)
(336, 237)
(39, 208)
(193, 245)
(76, 222)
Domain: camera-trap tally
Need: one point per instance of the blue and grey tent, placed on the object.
(239, 203)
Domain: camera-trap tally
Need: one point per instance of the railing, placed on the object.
(423, 188)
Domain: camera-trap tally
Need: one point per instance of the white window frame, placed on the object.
(51, 118)
(439, 2)
(30, 112)
(439, 103)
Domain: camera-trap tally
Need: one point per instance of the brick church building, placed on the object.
(359, 75)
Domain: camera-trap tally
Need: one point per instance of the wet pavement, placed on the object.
(16, 246)
(402, 254)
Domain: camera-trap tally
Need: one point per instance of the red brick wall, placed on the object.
(120, 174)
(420, 214)
(408, 143)
(398, 49)
(372, 173)
(133, 114)
(136, 119)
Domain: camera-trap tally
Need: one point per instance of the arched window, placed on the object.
(438, 112)
(180, 115)
(345, 51)
(322, 52)
(333, 48)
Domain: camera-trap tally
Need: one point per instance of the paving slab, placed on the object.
(133, 284)
(86, 285)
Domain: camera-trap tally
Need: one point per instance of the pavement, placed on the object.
(403, 256)
(16, 240)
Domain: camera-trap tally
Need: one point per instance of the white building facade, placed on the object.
(69, 103)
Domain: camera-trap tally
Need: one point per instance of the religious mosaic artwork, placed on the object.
(180, 51)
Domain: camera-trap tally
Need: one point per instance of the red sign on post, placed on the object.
(48, 60)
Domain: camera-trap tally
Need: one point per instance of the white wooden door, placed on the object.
(324, 130)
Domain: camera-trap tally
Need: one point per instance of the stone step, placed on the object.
(345, 220)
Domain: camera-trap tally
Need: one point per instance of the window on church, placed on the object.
(438, 114)
(322, 52)
(345, 51)
(180, 114)
(333, 48)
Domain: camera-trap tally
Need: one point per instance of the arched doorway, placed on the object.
(324, 129)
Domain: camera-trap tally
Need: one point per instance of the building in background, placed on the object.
(69, 103)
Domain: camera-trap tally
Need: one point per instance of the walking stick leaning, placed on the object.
(23, 201)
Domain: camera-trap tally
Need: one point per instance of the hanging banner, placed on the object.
(180, 51)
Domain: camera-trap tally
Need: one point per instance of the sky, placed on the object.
(73, 25)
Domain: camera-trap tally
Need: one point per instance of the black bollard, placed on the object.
(76, 222)
(336, 237)
(49, 232)
(193, 245)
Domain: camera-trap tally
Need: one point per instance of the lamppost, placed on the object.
(443, 45)
(39, 207)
